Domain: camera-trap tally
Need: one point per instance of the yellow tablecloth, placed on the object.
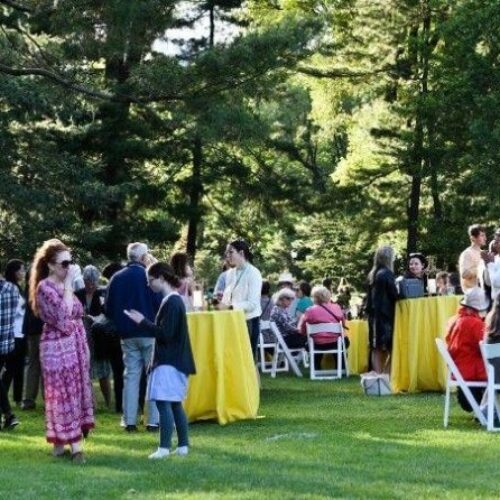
(225, 386)
(358, 352)
(357, 358)
(416, 365)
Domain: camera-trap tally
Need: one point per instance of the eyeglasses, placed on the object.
(65, 263)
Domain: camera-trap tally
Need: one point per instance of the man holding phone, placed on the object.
(128, 289)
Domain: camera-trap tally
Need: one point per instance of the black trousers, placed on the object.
(325, 347)
(477, 394)
(14, 369)
(115, 358)
(4, 398)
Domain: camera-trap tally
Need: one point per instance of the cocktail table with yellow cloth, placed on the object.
(225, 387)
(416, 365)
(358, 352)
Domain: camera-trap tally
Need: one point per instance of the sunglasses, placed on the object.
(65, 263)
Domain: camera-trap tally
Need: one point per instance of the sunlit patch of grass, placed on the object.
(317, 440)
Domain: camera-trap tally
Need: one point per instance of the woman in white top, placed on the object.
(15, 272)
(243, 287)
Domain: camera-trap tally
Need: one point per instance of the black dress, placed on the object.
(382, 296)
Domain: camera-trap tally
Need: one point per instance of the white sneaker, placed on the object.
(160, 453)
(182, 451)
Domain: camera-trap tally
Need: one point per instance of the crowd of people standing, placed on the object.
(61, 329)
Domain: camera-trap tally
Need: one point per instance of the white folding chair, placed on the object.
(339, 352)
(266, 366)
(458, 381)
(490, 352)
(282, 350)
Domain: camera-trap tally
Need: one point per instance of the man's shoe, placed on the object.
(28, 404)
(159, 453)
(182, 451)
(10, 422)
(131, 428)
(152, 428)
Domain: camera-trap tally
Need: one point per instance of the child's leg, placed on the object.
(166, 423)
(181, 423)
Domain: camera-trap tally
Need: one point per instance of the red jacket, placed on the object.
(465, 331)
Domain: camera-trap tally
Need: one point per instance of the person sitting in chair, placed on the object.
(323, 311)
(465, 331)
(286, 325)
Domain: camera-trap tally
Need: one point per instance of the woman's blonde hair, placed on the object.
(40, 268)
(384, 257)
(321, 294)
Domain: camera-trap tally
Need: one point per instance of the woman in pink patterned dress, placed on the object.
(64, 353)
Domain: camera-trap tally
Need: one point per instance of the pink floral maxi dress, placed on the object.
(64, 356)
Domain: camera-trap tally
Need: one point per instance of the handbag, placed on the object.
(376, 384)
(410, 288)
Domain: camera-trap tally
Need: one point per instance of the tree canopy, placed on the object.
(316, 129)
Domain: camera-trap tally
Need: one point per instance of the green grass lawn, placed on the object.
(315, 439)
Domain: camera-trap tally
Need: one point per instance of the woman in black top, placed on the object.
(172, 360)
(382, 296)
(417, 268)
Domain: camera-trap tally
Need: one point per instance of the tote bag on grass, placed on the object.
(376, 384)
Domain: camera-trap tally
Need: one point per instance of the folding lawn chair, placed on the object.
(339, 352)
(454, 379)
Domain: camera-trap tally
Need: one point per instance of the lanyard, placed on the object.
(237, 282)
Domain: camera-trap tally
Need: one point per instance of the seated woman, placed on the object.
(304, 296)
(417, 266)
(465, 331)
(323, 311)
(286, 325)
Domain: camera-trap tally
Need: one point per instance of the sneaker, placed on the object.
(131, 428)
(10, 422)
(122, 422)
(182, 451)
(152, 428)
(159, 453)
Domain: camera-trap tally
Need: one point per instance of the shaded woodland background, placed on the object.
(316, 129)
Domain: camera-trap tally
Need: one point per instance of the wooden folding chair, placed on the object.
(339, 352)
(454, 379)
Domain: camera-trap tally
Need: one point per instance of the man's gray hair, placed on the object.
(91, 273)
(137, 250)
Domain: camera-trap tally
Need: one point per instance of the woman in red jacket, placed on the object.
(465, 331)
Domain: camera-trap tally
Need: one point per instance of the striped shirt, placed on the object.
(9, 297)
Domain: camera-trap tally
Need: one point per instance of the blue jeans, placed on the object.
(137, 354)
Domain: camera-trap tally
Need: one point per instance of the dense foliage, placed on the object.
(317, 129)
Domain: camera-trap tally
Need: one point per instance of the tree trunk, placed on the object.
(420, 155)
(195, 194)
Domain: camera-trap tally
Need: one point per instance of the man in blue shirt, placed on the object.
(128, 289)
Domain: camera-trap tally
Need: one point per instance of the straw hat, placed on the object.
(286, 277)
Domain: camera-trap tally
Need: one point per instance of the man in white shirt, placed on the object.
(471, 264)
(492, 274)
